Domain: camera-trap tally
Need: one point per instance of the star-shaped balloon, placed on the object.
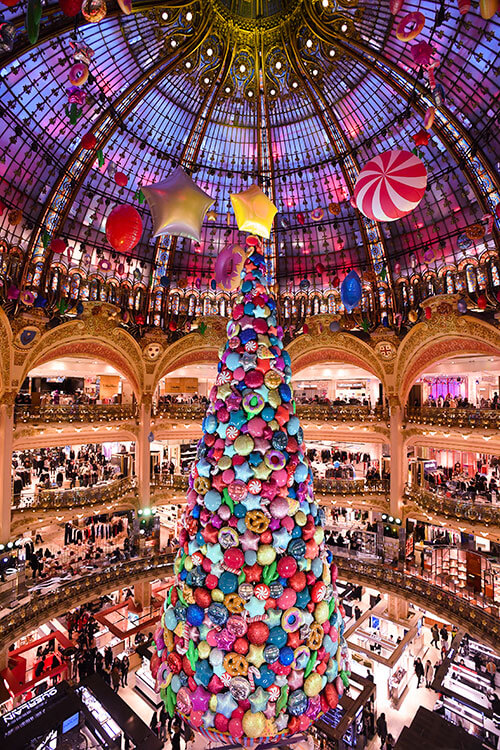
(178, 206)
(254, 211)
(258, 700)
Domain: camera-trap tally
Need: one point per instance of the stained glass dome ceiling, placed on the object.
(292, 95)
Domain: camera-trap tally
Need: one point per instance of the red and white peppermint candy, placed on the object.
(223, 377)
(254, 486)
(262, 592)
(274, 693)
(251, 346)
(390, 186)
(197, 558)
(226, 679)
(232, 432)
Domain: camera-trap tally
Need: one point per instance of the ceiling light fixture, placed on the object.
(210, 51)
(189, 16)
(242, 68)
(343, 28)
(164, 16)
(279, 65)
(173, 43)
(309, 44)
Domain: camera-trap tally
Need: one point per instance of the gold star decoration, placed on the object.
(254, 211)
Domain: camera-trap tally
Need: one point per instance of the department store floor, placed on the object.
(396, 718)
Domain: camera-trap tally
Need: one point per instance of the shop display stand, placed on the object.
(285, 742)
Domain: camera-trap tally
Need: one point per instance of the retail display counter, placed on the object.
(145, 684)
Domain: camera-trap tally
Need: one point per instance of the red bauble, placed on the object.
(123, 228)
(70, 8)
(58, 246)
(257, 633)
(331, 695)
(89, 141)
(203, 598)
(482, 302)
(287, 566)
(121, 179)
(428, 313)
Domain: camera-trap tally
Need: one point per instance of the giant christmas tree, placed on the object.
(251, 643)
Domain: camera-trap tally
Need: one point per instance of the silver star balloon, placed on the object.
(178, 206)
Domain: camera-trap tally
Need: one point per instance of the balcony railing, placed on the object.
(351, 487)
(46, 606)
(477, 615)
(454, 507)
(74, 413)
(320, 412)
(78, 497)
(479, 419)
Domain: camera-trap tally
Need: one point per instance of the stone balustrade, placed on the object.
(451, 507)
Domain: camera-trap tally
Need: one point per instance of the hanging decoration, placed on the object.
(410, 26)
(7, 34)
(94, 10)
(228, 267)
(351, 291)
(254, 211)
(70, 8)
(33, 18)
(178, 206)
(123, 228)
(234, 668)
(390, 186)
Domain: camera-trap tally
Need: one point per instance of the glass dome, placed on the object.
(293, 95)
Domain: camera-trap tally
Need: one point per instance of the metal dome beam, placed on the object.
(63, 24)
(332, 129)
(67, 186)
(362, 54)
(198, 130)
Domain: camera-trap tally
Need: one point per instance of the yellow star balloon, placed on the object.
(178, 206)
(254, 211)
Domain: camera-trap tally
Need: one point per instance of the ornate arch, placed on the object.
(195, 348)
(6, 349)
(442, 337)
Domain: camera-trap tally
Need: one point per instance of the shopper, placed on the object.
(444, 637)
(153, 724)
(381, 729)
(108, 657)
(163, 718)
(389, 742)
(419, 669)
(357, 612)
(124, 667)
(491, 669)
(176, 737)
(115, 677)
(429, 673)
(435, 636)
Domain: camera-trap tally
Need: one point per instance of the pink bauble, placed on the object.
(390, 185)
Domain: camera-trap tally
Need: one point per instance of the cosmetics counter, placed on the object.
(352, 723)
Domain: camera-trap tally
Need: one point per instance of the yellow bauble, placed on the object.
(254, 725)
(300, 518)
(188, 563)
(254, 211)
(321, 612)
(266, 554)
(312, 684)
(319, 535)
(217, 595)
(212, 703)
(204, 650)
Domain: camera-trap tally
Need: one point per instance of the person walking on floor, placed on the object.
(419, 669)
(153, 724)
(115, 678)
(163, 718)
(124, 667)
(429, 673)
(381, 729)
(444, 638)
(435, 636)
(389, 745)
(491, 669)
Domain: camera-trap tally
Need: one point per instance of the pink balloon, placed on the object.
(228, 267)
(235, 728)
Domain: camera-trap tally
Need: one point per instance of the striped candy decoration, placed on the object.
(390, 185)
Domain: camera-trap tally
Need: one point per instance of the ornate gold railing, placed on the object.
(322, 412)
(74, 413)
(453, 507)
(477, 616)
(481, 419)
(80, 497)
(67, 596)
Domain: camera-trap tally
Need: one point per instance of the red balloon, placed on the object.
(58, 246)
(482, 302)
(89, 141)
(11, 3)
(121, 179)
(320, 268)
(123, 228)
(70, 8)
(428, 313)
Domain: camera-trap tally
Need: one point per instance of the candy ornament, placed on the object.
(123, 228)
(410, 26)
(178, 206)
(390, 185)
(254, 211)
(351, 291)
(7, 33)
(94, 10)
(228, 267)
(253, 579)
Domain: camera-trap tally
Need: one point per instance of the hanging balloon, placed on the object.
(111, 170)
(140, 319)
(254, 211)
(413, 316)
(462, 306)
(428, 313)
(385, 321)
(123, 228)
(70, 8)
(94, 10)
(27, 298)
(390, 186)
(334, 209)
(421, 138)
(482, 302)
(305, 328)
(463, 242)
(213, 285)
(197, 283)
(58, 246)
(125, 6)
(320, 268)
(13, 292)
(228, 267)
(351, 291)
(120, 269)
(121, 179)
(335, 282)
(88, 141)
(284, 222)
(430, 114)
(104, 265)
(304, 284)
(40, 301)
(397, 268)
(172, 325)
(334, 326)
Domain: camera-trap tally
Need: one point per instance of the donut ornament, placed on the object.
(252, 631)
(228, 267)
(410, 26)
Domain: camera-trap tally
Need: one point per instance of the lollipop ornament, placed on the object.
(251, 645)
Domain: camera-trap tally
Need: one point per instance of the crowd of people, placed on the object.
(50, 468)
(59, 398)
(455, 483)
(460, 402)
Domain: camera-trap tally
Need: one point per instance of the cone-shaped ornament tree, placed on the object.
(251, 643)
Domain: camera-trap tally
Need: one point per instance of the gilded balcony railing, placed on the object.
(476, 615)
(351, 487)
(74, 413)
(79, 497)
(453, 507)
(479, 419)
(320, 412)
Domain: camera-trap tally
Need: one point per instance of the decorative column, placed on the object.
(6, 442)
(142, 451)
(398, 470)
